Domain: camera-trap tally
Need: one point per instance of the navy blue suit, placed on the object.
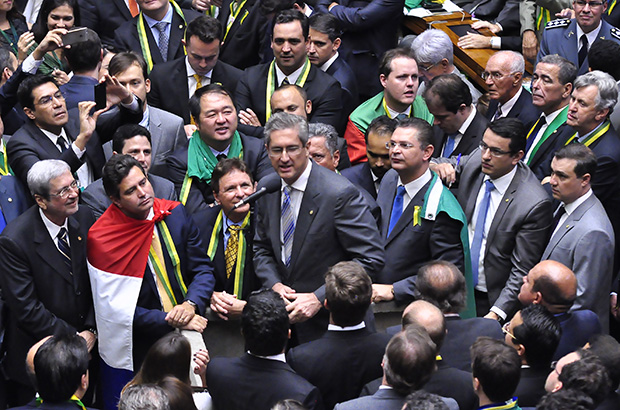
(14, 200)
(577, 327)
(79, 88)
(523, 109)
(343, 73)
(361, 176)
(462, 333)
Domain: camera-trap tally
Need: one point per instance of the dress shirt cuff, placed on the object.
(499, 312)
(78, 152)
(500, 27)
(496, 43)
(30, 65)
(134, 106)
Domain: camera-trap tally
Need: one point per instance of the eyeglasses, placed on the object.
(43, 101)
(495, 152)
(401, 145)
(495, 76)
(64, 193)
(554, 366)
(428, 67)
(592, 4)
(506, 331)
(276, 152)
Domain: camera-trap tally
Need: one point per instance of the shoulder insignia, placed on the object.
(615, 33)
(557, 23)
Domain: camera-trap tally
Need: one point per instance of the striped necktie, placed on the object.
(287, 222)
(65, 250)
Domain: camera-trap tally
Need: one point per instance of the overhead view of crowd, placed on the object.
(273, 204)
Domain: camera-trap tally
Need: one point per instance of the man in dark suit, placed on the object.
(291, 65)
(44, 276)
(350, 354)
(323, 52)
(504, 77)
(85, 61)
(260, 378)
(534, 333)
(156, 32)
(216, 135)
(607, 349)
(411, 216)
(200, 67)
(554, 286)
(14, 200)
(499, 16)
(134, 140)
(315, 220)
(509, 215)
(368, 175)
(458, 126)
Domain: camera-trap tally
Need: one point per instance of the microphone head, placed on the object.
(270, 184)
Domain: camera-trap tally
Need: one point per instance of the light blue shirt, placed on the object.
(151, 22)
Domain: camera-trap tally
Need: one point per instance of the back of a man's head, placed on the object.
(442, 284)
(423, 400)
(604, 55)
(607, 349)
(565, 399)
(348, 290)
(265, 323)
(556, 284)
(85, 55)
(144, 397)
(428, 316)
(497, 368)
(587, 375)
(59, 365)
(409, 360)
(539, 333)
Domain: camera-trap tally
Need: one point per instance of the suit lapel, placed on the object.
(155, 130)
(237, 23)
(471, 201)
(569, 46)
(77, 242)
(274, 208)
(407, 216)
(42, 140)
(568, 225)
(122, 7)
(503, 205)
(177, 30)
(47, 250)
(308, 210)
(386, 198)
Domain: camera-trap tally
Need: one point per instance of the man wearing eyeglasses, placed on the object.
(44, 277)
(508, 214)
(317, 219)
(572, 38)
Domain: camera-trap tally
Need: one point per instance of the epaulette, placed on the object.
(615, 33)
(557, 23)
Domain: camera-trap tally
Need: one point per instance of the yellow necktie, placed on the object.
(230, 253)
(198, 85)
(166, 302)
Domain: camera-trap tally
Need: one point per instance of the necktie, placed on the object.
(198, 81)
(449, 147)
(397, 207)
(476, 244)
(166, 301)
(221, 157)
(61, 143)
(285, 81)
(133, 7)
(163, 39)
(401, 116)
(232, 247)
(541, 121)
(583, 51)
(556, 218)
(287, 222)
(63, 247)
(498, 113)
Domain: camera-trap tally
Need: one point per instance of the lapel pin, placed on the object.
(507, 199)
(10, 199)
(570, 34)
(180, 26)
(312, 212)
(79, 238)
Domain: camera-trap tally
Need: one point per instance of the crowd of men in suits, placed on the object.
(280, 181)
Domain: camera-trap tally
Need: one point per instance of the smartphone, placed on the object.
(100, 96)
(74, 36)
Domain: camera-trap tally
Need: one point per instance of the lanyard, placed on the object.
(176, 262)
(555, 124)
(387, 112)
(12, 42)
(594, 136)
(233, 16)
(4, 165)
(272, 82)
(611, 7)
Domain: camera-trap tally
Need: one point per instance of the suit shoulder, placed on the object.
(163, 69)
(558, 23)
(230, 69)
(530, 185)
(167, 117)
(256, 71)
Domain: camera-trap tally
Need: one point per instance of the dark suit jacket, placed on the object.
(385, 399)
(33, 405)
(505, 12)
(361, 175)
(95, 198)
(523, 109)
(462, 333)
(577, 328)
(205, 220)
(42, 296)
(334, 224)
(348, 360)
(343, 73)
(201, 193)
(540, 164)
(79, 88)
(149, 322)
(172, 75)
(126, 36)
(323, 90)
(14, 199)
(253, 383)
(469, 141)
(242, 47)
(531, 386)
(438, 239)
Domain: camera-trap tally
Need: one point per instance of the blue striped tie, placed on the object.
(287, 222)
(476, 244)
(63, 247)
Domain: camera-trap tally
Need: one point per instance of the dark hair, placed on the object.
(123, 60)
(264, 323)
(27, 86)
(126, 132)
(587, 375)
(513, 129)
(604, 55)
(497, 367)
(409, 359)
(288, 404)
(564, 399)
(382, 125)
(568, 70)
(327, 24)
(423, 128)
(213, 88)
(179, 393)
(169, 356)
(585, 158)
(6, 57)
(206, 28)
(606, 348)
(442, 284)
(552, 293)
(85, 55)
(539, 333)
(224, 167)
(423, 400)
(348, 290)
(59, 365)
(385, 65)
(289, 16)
(115, 170)
(268, 7)
(451, 91)
(40, 26)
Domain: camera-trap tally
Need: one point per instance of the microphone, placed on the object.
(272, 185)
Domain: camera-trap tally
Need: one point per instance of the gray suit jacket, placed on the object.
(385, 399)
(518, 233)
(585, 243)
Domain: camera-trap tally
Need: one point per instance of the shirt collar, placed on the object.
(301, 182)
(329, 62)
(570, 208)
(54, 138)
(216, 152)
(591, 36)
(468, 120)
(51, 227)
(394, 114)
(146, 118)
(510, 103)
(191, 72)
(414, 186)
(587, 134)
(280, 357)
(502, 183)
(167, 18)
(337, 328)
(292, 78)
(549, 118)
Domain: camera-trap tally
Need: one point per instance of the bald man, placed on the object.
(553, 285)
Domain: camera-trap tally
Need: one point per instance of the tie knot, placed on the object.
(584, 40)
(400, 191)
(221, 157)
(161, 26)
(197, 77)
(488, 184)
(62, 234)
(234, 228)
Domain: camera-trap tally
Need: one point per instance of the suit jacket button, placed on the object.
(78, 293)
